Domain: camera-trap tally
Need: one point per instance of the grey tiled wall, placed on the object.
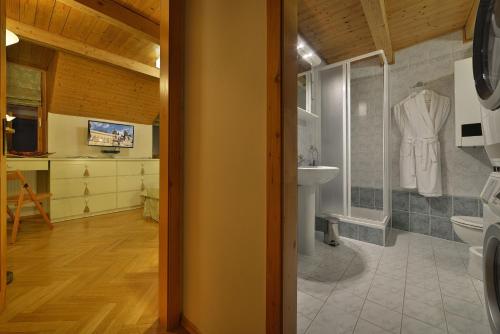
(415, 213)
(431, 216)
(364, 197)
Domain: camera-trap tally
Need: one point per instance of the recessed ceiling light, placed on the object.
(307, 53)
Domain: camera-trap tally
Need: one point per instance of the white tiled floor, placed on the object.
(417, 284)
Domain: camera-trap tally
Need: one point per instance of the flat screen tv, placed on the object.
(110, 134)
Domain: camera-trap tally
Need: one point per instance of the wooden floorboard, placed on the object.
(95, 275)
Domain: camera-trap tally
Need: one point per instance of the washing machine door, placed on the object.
(491, 251)
(486, 53)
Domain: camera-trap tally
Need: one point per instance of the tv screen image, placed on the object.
(110, 134)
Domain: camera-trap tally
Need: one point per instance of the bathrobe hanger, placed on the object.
(420, 88)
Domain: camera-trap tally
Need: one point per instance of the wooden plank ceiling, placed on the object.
(147, 8)
(121, 30)
(342, 29)
(124, 28)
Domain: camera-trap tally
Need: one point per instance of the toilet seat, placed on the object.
(470, 222)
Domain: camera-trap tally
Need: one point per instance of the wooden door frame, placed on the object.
(3, 165)
(281, 253)
(171, 162)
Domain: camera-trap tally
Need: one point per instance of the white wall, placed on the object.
(67, 137)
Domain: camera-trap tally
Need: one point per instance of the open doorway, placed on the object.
(397, 245)
(82, 129)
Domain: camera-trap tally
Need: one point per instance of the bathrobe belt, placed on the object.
(410, 154)
(423, 149)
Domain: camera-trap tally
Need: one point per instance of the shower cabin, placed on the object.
(351, 101)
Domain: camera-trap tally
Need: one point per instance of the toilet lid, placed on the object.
(474, 222)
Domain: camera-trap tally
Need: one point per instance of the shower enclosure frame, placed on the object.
(346, 117)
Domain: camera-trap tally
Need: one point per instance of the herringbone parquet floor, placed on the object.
(95, 275)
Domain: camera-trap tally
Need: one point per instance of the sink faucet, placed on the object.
(313, 150)
(300, 160)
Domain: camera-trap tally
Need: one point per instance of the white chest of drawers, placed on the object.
(88, 187)
(27, 164)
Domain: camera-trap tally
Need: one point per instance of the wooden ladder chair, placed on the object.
(26, 195)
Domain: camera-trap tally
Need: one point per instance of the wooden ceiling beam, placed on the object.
(471, 22)
(376, 17)
(59, 42)
(119, 16)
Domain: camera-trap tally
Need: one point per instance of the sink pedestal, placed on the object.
(307, 212)
(309, 178)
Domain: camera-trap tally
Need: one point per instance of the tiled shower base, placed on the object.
(416, 284)
(363, 229)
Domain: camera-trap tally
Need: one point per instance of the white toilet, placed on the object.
(470, 230)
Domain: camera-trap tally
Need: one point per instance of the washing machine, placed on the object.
(486, 68)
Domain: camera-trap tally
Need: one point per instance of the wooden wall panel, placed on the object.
(3, 169)
(81, 87)
(29, 54)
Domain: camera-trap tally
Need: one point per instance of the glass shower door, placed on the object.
(366, 124)
(331, 98)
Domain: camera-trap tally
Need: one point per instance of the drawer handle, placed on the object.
(87, 209)
(86, 173)
(142, 171)
(86, 192)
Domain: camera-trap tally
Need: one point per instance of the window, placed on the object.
(26, 124)
(26, 102)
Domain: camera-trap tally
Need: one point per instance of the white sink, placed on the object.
(309, 178)
(312, 175)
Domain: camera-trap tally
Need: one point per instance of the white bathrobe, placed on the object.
(420, 148)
